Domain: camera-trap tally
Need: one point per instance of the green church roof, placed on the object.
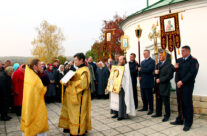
(156, 5)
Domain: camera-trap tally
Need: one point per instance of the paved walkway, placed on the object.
(104, 125)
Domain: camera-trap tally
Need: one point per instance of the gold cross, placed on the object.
(153, 36)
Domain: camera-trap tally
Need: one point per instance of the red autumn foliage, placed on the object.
(100, 49)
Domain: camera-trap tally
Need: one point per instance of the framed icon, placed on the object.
(169, 24)
(108, 37)
(170, 32)
(124, 42)
(115, 79)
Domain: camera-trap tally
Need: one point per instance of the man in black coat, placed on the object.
(90, 61)
(1, 67)
(187, 68)
(116, 59)
(147, 81)
(164, 74)
(133, 65)
(5, 91)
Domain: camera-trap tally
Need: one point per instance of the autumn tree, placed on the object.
(114, 24)
(48, 43)
(99, 48)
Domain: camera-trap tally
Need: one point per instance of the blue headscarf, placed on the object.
(16, 66)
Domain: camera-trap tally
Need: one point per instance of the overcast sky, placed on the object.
(80, 21)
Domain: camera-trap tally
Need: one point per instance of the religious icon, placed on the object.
(170, 32)
(169, 24)
(115, 79)
(125, 43)
(108, 37)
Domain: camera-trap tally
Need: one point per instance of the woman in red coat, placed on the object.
(18, 85)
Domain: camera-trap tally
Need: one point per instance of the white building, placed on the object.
(193, 30)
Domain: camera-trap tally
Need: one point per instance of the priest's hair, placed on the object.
(80, 56)
(33, 63)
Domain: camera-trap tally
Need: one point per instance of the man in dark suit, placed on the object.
(147, 81)
(116, 61)
(90, 61)
(187, 68)
(133, 65)
(164, 74)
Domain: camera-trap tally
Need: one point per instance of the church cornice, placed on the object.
(188, 5)
(159, 4)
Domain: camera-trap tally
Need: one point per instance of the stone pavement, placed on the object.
(104, 125)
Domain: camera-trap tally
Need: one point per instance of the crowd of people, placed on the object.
(152, 78)
(12, 82)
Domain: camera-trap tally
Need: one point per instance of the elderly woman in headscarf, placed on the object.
(59, 76)
(5, 92)
(18, 85)
(16, 66)
(66, 68)
(102, 75)
(51, 92)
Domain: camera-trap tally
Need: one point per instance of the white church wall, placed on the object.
(192, 29)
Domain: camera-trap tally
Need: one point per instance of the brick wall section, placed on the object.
(199, 103)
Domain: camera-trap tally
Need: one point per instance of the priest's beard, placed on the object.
(122, 64)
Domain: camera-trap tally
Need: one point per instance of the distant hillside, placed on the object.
(22, 60)
(14, 59)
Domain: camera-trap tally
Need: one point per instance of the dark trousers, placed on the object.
(134, 85)
(58, 93)
(122, 106)
(18, 110)
(186, 103)
(147, 98)
(4, 106)
(100, 96)
(160, 100)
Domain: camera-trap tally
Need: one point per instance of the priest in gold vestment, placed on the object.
(34, 120)
(76, 110)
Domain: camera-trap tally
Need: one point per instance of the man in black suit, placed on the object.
(116, 61)
(133, 65)
(90, 61)
(187, 68)
(147, 81)
(164, 74)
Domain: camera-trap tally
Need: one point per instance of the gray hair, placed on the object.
(100, 62)
(147, 51)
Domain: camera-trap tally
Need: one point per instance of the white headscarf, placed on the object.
(62, 72)
(102, 64)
